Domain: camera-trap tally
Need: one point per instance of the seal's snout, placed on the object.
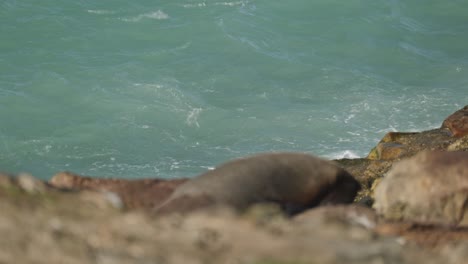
(344, 191)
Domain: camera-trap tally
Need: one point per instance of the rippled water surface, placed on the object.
(171, 88)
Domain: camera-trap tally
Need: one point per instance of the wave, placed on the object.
(192, 117)
(345, 154)
(157, 15)
(100, 12)
(236, 3)
(204, 4)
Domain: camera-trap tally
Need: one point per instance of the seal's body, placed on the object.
(295, 181)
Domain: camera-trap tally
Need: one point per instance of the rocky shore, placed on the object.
(412, 207)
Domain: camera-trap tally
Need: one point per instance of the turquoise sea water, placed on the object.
(171, 88)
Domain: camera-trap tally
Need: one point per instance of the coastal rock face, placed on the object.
(395, 146)
(135, 194)
(457, 123)
(295, 181)
(430, 188)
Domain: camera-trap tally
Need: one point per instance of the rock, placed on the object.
(295, 181)
(427, 236)
(59, 227)
(457, 122)
(349, 215)
(391, 146)
(455, 254)
(459, 144)
(390, 150)
(430, 188)
(366, 171)
(30, 184)
(135, 194)
(102, 199)
(5, 180)
(397, 145)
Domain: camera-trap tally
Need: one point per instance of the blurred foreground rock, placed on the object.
(430, 188)
(62, 227)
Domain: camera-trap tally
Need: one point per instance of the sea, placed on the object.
(172, 88)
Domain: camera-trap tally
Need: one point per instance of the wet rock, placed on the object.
(430, 188)
(135, 194)
(457, 123)
(366, 171)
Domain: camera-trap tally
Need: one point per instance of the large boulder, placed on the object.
(430, 188)
(457, 123)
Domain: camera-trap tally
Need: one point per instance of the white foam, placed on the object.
(242, 3)
(202, 4)
(157, 15)
(345, 154)
(192, 117)
(100, 12)
(208, 167)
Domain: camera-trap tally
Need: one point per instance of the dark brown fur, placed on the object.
(295, 181)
